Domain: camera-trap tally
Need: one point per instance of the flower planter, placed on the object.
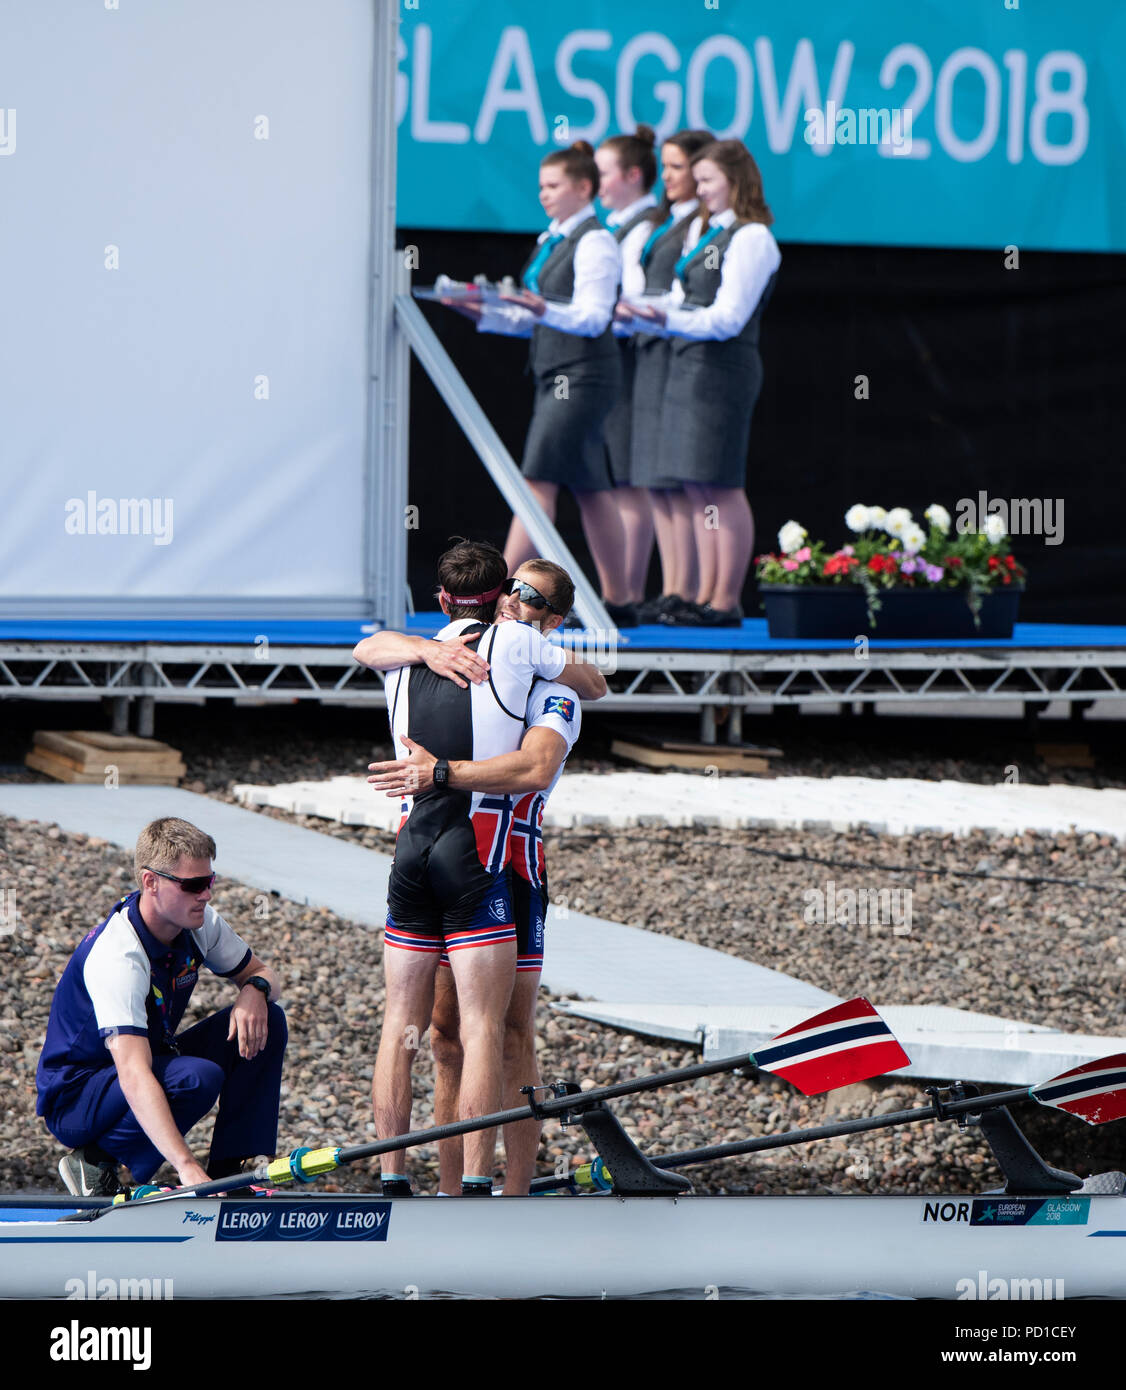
(839, 610)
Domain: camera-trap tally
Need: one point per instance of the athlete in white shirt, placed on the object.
(448, 887)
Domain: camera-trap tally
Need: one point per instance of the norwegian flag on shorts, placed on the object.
(849, 1042)
(1096, 1091)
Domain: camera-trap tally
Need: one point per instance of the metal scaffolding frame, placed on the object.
(703, 682)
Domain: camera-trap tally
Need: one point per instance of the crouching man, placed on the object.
(116, 1083)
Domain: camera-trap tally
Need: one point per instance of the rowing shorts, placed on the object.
(529, 908)
(439, 891)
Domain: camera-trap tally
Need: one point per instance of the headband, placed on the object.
(470, 600)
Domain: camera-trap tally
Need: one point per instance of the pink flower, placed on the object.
(802, 554)
(846, 550)
(789, 564)
(934, 573)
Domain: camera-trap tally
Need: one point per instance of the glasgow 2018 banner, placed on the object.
(907, 122)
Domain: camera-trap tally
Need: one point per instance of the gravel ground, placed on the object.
(1024, 926)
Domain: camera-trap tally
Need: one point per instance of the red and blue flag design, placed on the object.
(849, 1042)
(1096, 1091)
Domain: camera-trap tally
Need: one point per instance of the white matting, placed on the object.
(893, 806)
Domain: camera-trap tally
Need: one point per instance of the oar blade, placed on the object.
(1096, 1091)
(849, 1042)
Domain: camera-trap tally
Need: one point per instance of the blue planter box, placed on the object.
(840, 610)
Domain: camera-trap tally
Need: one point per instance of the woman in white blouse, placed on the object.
(570, 286)
(712, 315)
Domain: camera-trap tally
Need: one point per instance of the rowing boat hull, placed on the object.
(923, 1247)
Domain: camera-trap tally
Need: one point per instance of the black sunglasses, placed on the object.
(189, 885)
(527, 594)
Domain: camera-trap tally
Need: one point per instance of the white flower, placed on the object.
(791, 537)
(858, 518)
(876, 516)
(995, 528)
(897, 519)
(938, 516)
(912, 537)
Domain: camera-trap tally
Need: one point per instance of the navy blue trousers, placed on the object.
(208, 1068)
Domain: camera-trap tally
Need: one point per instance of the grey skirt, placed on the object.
(650, 376)
(709, 398)
(565, 443)
(617, 428)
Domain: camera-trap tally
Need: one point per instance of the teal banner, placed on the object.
(975, 123)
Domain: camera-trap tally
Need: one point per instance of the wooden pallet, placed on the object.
(1065, 754)
(751, 761)
(86, 758)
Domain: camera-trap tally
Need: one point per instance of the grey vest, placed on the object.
(550, 349)
(701, 285)
(665, 254)
(620, 233)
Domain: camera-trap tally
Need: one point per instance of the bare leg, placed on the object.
(637, 523)
(684, 544)
(521, 1140)
(483, 976)
(445, 1039)
(520, 546)
(729, 535)
(409, 981)
(605, 537)
(705, 524)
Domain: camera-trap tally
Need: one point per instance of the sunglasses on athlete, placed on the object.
(527, 594)
(188, 885)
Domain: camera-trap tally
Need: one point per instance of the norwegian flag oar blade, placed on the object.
(849, 1042)
(1096, 1091)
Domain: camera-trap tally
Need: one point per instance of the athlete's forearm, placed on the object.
(585, 680)
(508, 772)
(387, 651)
(146, 1099)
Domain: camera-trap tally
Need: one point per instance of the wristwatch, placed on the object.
(260, 984)
(442, 774)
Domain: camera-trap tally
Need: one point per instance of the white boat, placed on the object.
(1071, 1245)
(1046, 1235)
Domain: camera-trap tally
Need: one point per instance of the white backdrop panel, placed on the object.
(239, 258)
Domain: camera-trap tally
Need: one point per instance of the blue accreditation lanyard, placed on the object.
(682, 264)
(532, 274)
(654, 237)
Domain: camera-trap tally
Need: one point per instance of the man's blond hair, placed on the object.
(164, 842)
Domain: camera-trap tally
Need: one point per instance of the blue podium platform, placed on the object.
(751, 637)
(716, 673)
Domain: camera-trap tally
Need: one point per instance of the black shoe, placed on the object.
(685, 614)
(86, 1178)
(476, 1189)
(707, 616)
(622, 614)
(650, 611)
(396, 1187)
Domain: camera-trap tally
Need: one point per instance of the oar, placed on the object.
(849, 1042)
(1095, 1092)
